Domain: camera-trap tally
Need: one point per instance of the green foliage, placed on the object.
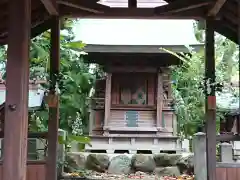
(189, 97)
(188, 83)
(71, 139)
(75, 80)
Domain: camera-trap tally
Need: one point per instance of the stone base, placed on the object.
(159, 164)
(132, 145)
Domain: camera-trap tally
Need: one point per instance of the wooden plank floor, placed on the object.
(228, 173)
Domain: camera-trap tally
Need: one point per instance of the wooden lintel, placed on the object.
(180, 6)
(216, 8)
(90, 6)
(51, 6)
(134, 69)
(128, 13)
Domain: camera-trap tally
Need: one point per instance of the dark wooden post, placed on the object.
(53, 123)
(16, 111)
(210, 101)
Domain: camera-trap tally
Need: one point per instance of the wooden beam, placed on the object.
(223, 28)
(216, 8)
(37, 28)
(130, 69)
(127, 13)
(53, 121)
(89, 6)
(210, 103)
(132, 3)
(51, 6)
(16, 107)
(180, 6)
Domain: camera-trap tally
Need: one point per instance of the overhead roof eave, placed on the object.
(91, 48)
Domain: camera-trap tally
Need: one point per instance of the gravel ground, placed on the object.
(137, 175)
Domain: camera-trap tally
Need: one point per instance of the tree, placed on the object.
(75, 81)
(188, 82)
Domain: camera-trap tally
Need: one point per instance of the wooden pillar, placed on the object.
(53, 123)
(16, 107)
(107, 98)
(169, 84)
(159, 101)
(91, 118)
(210, 101)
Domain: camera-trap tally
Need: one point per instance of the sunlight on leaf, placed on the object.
(75, 45)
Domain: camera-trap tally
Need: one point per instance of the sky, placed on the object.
(135, 32)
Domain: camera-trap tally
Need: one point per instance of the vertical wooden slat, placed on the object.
(221, 174)
(1, 172)
(151, 89)
(210, 101)
(91, 120)
(16, 107)
(174, 124)
(238, 173)
(159, 100)
(115, 90)
(107, 98)
(232, 174)
(41, 172)
(98, 118)
(169, 84)
(53, 123)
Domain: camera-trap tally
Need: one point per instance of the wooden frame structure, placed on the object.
(19, 17)
(131, 110)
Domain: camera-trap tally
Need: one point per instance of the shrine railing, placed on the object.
(167, 103)
(97, 103)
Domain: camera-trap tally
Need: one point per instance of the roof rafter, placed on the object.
(89, 5)
(179, 6)
(129, 13)
(51, 6)
(216, 7)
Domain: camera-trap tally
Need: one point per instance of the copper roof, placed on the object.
(227, 24)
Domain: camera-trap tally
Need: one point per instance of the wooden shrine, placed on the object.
(134, 103)
(132, 109)
(25, 19)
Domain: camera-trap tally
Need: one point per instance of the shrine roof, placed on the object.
(227, 22)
